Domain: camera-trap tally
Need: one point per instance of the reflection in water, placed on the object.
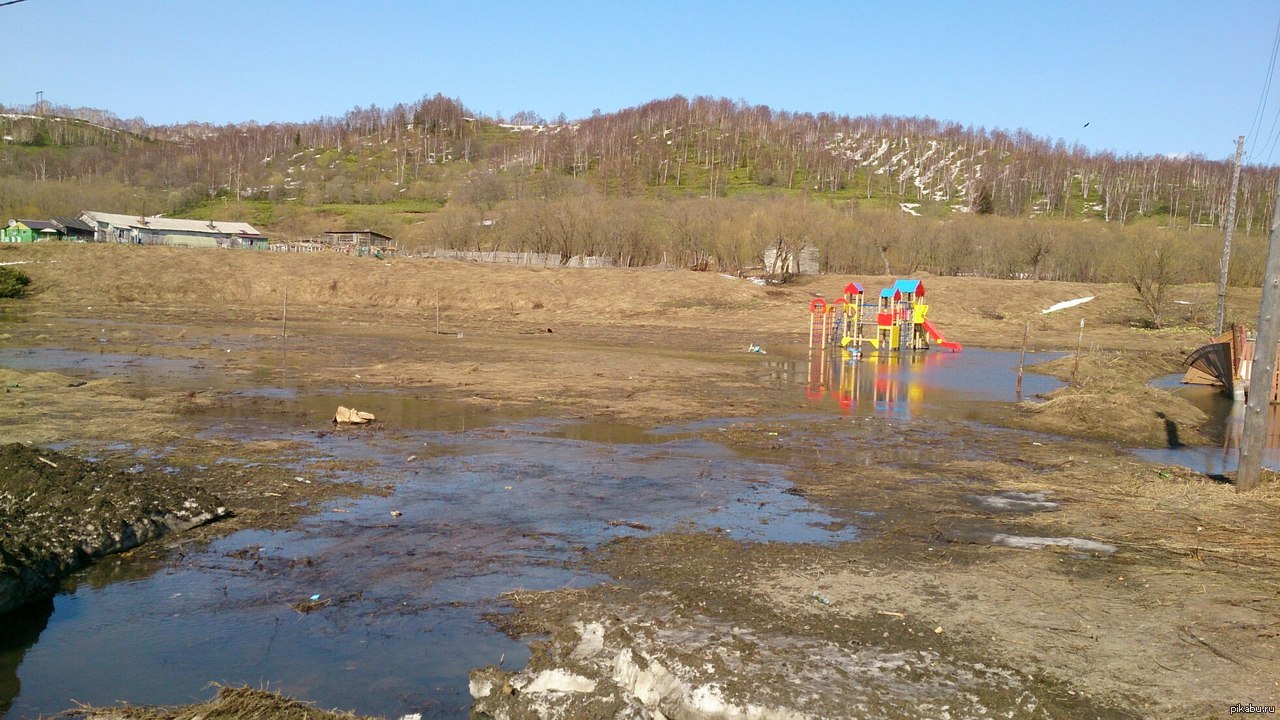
(910, 384)
(855, 381)
(1225, 427)
(19, 630)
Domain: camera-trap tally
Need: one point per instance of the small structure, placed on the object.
(803, 261)
(29, 231)
(361, 242)
(1227, 361)
(74, 229)
(149, 230)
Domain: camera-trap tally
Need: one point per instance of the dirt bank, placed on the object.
(1109, 397)
(58, 513)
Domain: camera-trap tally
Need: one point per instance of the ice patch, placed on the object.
(1040, 543)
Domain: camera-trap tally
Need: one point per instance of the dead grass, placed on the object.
(1112, 400)
(179, 284)
(231, 703)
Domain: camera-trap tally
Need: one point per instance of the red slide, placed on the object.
(942, 342)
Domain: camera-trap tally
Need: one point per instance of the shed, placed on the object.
(74, 229)
(361, 242)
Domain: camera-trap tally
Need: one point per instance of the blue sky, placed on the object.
(1148, 77)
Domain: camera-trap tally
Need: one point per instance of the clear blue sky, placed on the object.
(1167, 76)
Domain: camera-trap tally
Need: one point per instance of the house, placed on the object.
(29, 231)
(361, 242)
(74, 229)
(149, 230)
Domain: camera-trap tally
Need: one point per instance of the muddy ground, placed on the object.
(1001, 571)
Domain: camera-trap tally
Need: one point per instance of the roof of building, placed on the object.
(40, 225)
(358, 232)
(70, 223)
(164, 224)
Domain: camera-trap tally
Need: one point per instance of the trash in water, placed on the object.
(346, 415)
(756, 349)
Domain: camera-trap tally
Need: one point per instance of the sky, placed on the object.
(1134, 77)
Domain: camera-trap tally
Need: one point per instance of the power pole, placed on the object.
(1263, 373)
(1226, 244)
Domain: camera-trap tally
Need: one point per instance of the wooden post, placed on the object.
(1023, 361)
(1262, 376)
(284, 317)
(437, 311)
(1075, 370)
(1226, 243)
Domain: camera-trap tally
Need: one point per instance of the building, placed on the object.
(804, 261)
(361, 242)
(148, 230)
(29, 231)
(74, 229)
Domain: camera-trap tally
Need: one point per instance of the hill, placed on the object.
(640, 185)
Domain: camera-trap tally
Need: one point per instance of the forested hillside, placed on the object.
(700, 182)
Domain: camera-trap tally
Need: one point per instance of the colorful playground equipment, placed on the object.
(899, 321)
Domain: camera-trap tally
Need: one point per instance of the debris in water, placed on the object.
(629, 523)
(346, 415)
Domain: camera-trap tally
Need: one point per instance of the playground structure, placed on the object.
(897, 321)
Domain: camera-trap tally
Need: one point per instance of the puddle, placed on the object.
(404, 409)
(928, 384)
(403, 581)
(1223, 427)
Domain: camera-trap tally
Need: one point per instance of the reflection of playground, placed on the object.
(883, 381)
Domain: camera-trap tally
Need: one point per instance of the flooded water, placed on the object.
(378, 604)
(932, 384)
(397, 585)
(1224, 427)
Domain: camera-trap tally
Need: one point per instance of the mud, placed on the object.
(58, 513)
(964, 570)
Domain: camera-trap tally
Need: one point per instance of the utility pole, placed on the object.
(1226, 243)
(1263, 373)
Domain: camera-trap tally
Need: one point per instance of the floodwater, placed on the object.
(929, 384)
(1224, 427)
(397, 586)
(378, 604)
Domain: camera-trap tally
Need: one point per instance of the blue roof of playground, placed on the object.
(908, 287)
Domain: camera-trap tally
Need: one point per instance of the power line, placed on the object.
(11, 2)
(1266, 88)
